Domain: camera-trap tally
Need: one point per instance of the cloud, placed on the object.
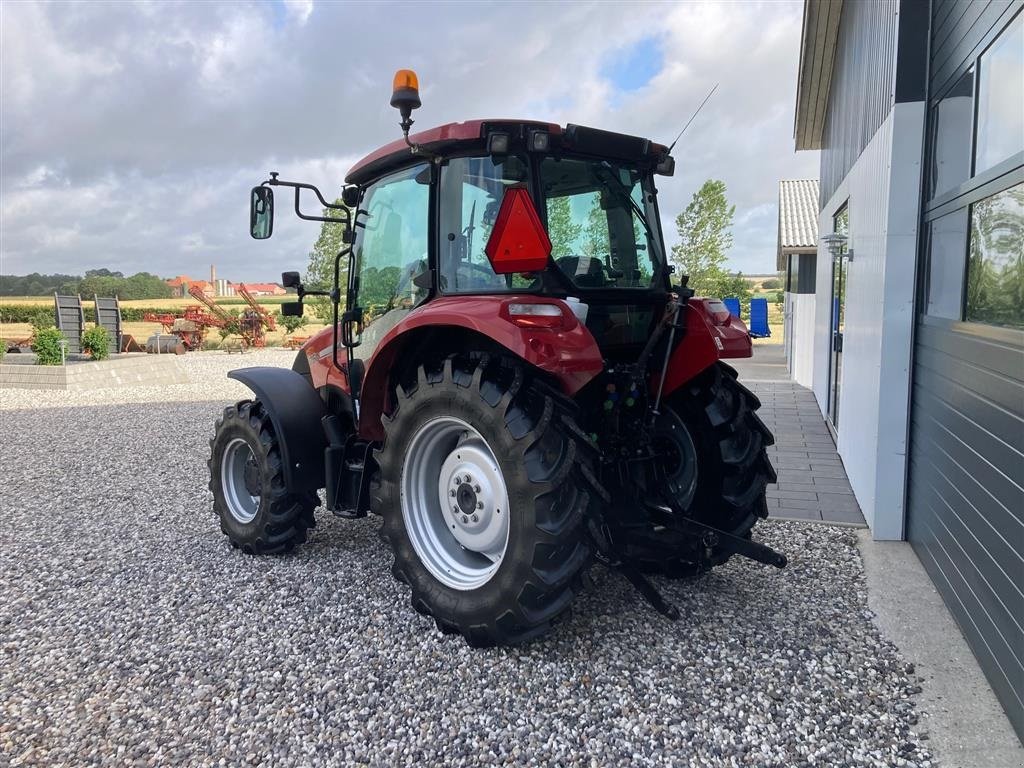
(131, 133)
(299, 10)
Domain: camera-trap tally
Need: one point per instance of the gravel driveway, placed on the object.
(131, 632)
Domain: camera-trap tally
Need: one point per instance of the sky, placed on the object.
(131, 133)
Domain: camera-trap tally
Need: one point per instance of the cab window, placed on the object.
(599, 222)
(472, 189)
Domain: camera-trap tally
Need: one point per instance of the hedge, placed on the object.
(28, 313)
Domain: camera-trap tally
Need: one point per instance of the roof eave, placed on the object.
(818, 40)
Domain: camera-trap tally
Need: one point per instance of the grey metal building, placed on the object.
(918, 110)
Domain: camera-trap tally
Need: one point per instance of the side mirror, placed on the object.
(261, 213)
(291, 279)
(292, 309)
(350, 195)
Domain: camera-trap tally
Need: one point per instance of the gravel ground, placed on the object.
(131, 633)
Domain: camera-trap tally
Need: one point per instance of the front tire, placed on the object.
(256, 511)
(481, 434)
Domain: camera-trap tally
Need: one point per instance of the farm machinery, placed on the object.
(515, 385)
(192, 325)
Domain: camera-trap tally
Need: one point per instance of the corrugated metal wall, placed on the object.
(861, 94)
(958, 26)
(965, 501)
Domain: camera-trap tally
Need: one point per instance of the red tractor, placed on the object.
(515, 386)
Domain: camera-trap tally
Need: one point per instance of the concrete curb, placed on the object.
(966, 726)
(121, 371)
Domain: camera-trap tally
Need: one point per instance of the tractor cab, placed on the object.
(502, 208)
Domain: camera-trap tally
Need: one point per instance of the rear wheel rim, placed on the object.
(240, 481)
(455, 503)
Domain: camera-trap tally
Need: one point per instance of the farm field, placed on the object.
(141, 330)
(10, 332)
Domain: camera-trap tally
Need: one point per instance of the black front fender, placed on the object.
(295, 410)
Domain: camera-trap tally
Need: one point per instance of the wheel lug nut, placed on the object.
(451, 493)
(465, 519)
(476, 488)
(479, 505)
(476, 519)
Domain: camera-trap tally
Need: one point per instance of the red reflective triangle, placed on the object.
(518, 242)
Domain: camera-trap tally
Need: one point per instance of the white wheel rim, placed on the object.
(455, 503)
(242, 505)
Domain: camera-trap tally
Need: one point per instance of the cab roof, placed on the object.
(472, 134)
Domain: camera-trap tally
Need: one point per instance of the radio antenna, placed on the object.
(693, 116)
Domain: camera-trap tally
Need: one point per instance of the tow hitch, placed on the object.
(709, 538)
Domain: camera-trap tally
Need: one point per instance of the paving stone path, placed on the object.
(812, 481)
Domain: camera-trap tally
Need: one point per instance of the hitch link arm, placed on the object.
(738, 545)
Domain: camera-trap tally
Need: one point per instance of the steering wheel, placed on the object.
(492, 278)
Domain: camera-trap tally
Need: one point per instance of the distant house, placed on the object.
(797, 259)
(265, 289)
(181, 284)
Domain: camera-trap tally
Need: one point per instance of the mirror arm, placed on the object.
(273, 181)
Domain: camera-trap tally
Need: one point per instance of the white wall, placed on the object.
(883, 192)
(800, 336)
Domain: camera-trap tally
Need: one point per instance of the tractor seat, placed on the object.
(585, 271)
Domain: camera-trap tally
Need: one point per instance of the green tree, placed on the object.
(737, 285)
(595, 235)
(291, 323)
(562, 230)
(705, 238)
(141, 285)
(320, 271)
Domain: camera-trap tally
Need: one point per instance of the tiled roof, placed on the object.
(798, 213)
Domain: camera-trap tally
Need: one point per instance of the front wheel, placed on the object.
(483, 490)
(257, 513)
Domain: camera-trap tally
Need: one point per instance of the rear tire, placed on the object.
(733, 468)
(256, 511)
(531, 571)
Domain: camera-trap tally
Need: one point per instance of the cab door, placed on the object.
(390, 275)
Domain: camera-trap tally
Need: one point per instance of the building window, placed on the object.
(995, 276)
(1000, 111)
(951, 136)
(947, 252)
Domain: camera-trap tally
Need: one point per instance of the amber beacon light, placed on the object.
(405, 95)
